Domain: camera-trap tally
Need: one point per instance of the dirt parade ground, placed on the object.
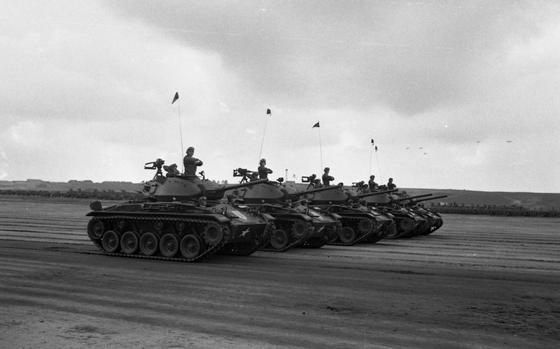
(479, 282)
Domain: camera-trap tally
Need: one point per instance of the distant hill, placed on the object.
(531, 201)
(86, 185)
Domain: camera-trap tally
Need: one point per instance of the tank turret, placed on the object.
(184, 188)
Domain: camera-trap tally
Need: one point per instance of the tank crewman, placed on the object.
(190, 162)
(263, 170)
(326, 177)
(172, 170)
(371, 184)
(391, 185)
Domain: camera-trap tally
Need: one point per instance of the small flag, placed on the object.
(375, 148)
(372, 141)
(175, 98)
(268, 112)
(316, 125)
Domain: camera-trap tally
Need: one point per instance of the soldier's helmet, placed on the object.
(263, 161)
(190, 149)
(327, 169)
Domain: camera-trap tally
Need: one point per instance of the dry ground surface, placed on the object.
(479, 282)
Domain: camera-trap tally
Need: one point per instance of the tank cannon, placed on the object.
(375, 193)
(429, 198)
(411, 197)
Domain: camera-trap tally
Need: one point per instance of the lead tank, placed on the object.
(180, 218)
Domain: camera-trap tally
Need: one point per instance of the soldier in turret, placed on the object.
(171, 170)
(326, 177)
(263, 170)
(391, 185)
(371, 184)
(190, 162)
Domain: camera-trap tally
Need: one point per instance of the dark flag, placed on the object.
(268, 112)
(175, 98)
(316, 125)
(375, 148)
(372, 141)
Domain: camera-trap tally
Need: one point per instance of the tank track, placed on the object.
(213, 249)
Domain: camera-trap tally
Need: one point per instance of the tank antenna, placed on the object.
(377, 160)
(370, 156)
(317, 124)
(268, 113)
(175, 99)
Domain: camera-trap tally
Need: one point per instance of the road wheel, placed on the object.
(213, 234)
(347, 235)
(190, 246)
(95, 229)
(148, 244)
(299, 229)
(129, 242)
(168, 245)
(110, 241)
(279, 239)
(365, 225)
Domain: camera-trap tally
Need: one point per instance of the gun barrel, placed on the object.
(432, 198)
(315, 190)
(242, 185)
(374, 193)
(413, 197)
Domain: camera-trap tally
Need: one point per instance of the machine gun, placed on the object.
(247, 175)
(155, 165)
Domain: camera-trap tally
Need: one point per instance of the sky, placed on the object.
(455, 94)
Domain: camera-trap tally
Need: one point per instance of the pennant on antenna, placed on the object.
(316, 125)
(372, 142)
(175, 98)
(375, 148)
(268, 112)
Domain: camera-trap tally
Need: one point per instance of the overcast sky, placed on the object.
(455, 94)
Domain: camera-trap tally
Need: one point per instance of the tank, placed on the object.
(358, 222)
(296, 224)
(409, 221)
(433, 219)
(181, 218)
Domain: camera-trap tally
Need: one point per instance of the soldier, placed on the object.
(326, 177)
(391, 185)
(371, 184)
(171, 170)
(190, 162)
(263, 170)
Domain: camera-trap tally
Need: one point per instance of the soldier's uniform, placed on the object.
(191, 163)
(391, 185)
(371, 184)
(263, 170)
(326, 177)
